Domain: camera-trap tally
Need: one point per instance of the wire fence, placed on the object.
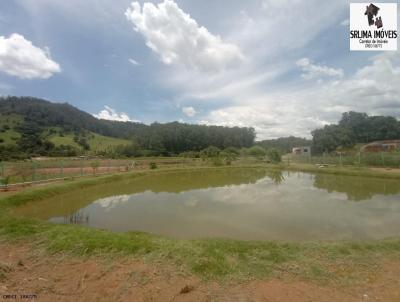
(36, 171)
(382, 159)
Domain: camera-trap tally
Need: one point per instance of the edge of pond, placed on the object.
(32, 194)
(209, 258)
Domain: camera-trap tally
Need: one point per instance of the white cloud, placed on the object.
(177, 38)
(111, 114)
(297, 111)
(189, 111)
(345, 22)
(133, 62)
(314, 71)
(20, 58)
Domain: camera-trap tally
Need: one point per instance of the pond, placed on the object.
(236, 203)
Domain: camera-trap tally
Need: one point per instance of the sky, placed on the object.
(283, 67)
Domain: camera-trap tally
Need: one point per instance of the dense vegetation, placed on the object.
(285, 144)
(354, 128)
(36, 127)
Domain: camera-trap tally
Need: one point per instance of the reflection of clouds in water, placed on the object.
(112, 201)
(192, 201)
(292, 209)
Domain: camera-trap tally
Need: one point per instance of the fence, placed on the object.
(32, 171)
(383, 159)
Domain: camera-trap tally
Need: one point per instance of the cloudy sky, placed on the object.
(283, 67)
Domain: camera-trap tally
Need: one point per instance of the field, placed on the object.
(345, 270)
(7, 135)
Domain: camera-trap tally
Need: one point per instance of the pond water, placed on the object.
(238, 203)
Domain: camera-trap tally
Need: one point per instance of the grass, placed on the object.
(349, 171)
(101, 143)
(10, 136)
(97, 142)
(213, 259)
(66, 140)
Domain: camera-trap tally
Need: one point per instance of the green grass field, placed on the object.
(96, 142)
(99, 142)
(9, 136)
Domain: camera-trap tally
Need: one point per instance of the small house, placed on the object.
(306, 150)
(382, 146)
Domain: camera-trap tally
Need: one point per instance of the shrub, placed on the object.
(210, 152)
(4, 181)
(153, 165)
(217, 161)
(256, 151)
(274, 155)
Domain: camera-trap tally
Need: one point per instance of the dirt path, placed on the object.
(27, 272)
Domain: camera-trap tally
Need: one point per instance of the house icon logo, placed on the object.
(372, 14)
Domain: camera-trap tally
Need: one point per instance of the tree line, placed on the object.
(354, 128)
(166, 139)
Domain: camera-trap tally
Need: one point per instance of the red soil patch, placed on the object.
(51, 278)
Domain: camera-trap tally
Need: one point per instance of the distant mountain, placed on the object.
(31, 126)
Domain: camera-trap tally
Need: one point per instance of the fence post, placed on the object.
(359, 158)
(82, 161)
(383, 159)
(2, 169)
(340, 154)
(62, 168)
(33, 171)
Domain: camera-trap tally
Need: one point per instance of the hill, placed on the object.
(31, 127)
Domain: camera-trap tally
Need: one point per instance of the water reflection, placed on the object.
(234, 203)
(276, 176)
(79, 217)
(357, 188)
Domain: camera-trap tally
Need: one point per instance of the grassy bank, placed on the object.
(338, 262)
(349, 171)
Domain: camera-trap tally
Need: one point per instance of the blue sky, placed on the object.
(283, 67)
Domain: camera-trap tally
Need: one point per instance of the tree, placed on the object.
(256, 151)
(285, 144)
(210, 152)
(353, 128)
(274, 155)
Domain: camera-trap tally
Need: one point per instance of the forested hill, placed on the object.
(38, 127)
(48, 114)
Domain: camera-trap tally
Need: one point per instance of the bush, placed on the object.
(232, 150)
(190, 154)
(256, 151)
(217, 161)
(4, 181)
(210, 152)
(274, 155)
(153, 165)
